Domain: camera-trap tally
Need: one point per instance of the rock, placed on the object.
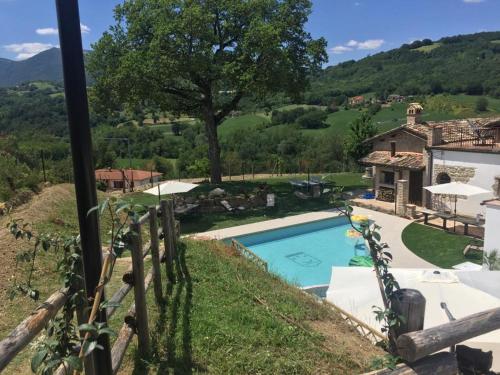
(217, 192)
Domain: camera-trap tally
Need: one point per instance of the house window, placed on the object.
(443, 178)
(118, 184)
(387, 178)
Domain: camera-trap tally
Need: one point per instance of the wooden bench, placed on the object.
(466, 221)
(444, 216)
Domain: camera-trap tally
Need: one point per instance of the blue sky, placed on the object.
(353, 28)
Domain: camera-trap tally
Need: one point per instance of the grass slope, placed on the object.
(226, 316)
(443, 249)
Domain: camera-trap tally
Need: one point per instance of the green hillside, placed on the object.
(458, 64)
(45, 66)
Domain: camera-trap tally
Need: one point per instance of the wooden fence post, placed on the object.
(139, 291)
(167, 239)
(155, 251)
(171, 216)
(410, 304)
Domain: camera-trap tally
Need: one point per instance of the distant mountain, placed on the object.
(457, 64)
(45, 66)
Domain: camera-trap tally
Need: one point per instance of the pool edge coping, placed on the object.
(267, 225)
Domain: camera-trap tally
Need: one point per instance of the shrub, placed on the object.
(312, 120)
(482, 104)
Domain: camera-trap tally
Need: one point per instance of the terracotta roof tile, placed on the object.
(408, 160)
(116, 174)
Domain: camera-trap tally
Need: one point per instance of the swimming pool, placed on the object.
(304, 254)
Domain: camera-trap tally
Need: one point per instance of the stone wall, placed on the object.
(405, 142)
(496, 187)
(456, 173)
(402, 197)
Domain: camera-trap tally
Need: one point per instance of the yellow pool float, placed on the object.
(352, 233)
(359, 218)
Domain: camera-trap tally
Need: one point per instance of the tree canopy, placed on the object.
(202, 57)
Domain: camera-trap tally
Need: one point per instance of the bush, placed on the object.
(332, 109)
(482, 105)
(101, 185)
(312, 120)
(164, 166)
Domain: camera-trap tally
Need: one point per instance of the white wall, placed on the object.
(487, 167)
(491, 228)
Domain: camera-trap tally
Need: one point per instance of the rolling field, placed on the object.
(436, 108)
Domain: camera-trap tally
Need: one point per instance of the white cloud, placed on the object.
(47, 31)
(26, 50)
(371, 44)
(473, 1)
(84, 28)
(351, 45)
(338, 50)
(54, 31)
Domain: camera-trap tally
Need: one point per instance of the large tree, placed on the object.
(201, 57)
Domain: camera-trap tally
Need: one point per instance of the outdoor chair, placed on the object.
(297, 183)
(230, 208)
(301, 195)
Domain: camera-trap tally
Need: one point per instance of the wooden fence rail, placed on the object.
(136, 319)
(416, 346)
(413, 346)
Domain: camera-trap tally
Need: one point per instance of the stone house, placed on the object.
(419, 153)
(356, 100)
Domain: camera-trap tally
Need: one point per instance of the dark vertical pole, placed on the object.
(43, 166)
(81, 148)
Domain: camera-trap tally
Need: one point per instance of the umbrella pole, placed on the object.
(455, 216)
(159, 196)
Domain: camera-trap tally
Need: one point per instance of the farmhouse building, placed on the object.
(357, 100)
(419, 153)
(126, 178)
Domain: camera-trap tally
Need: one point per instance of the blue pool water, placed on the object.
(304, 254)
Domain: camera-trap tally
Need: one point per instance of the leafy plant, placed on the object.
(381, 259)
(492, 260)
(64, 345)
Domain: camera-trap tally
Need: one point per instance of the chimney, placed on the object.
(435, 136)
(413, 113)
(393, 149)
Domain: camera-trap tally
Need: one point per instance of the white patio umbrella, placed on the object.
(170, 187)
(456, 190)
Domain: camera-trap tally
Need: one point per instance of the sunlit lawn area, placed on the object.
(286, 202)
(443, 249)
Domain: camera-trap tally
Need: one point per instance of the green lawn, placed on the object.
(286, 202)
(226, 316)
(443, 249)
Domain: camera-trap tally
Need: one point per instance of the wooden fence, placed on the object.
(246, 252)
(136, 319)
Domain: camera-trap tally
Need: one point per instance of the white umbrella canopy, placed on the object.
(456, 190)
(171, 187)
(459, 189)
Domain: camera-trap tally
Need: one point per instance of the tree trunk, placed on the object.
(213, 147)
